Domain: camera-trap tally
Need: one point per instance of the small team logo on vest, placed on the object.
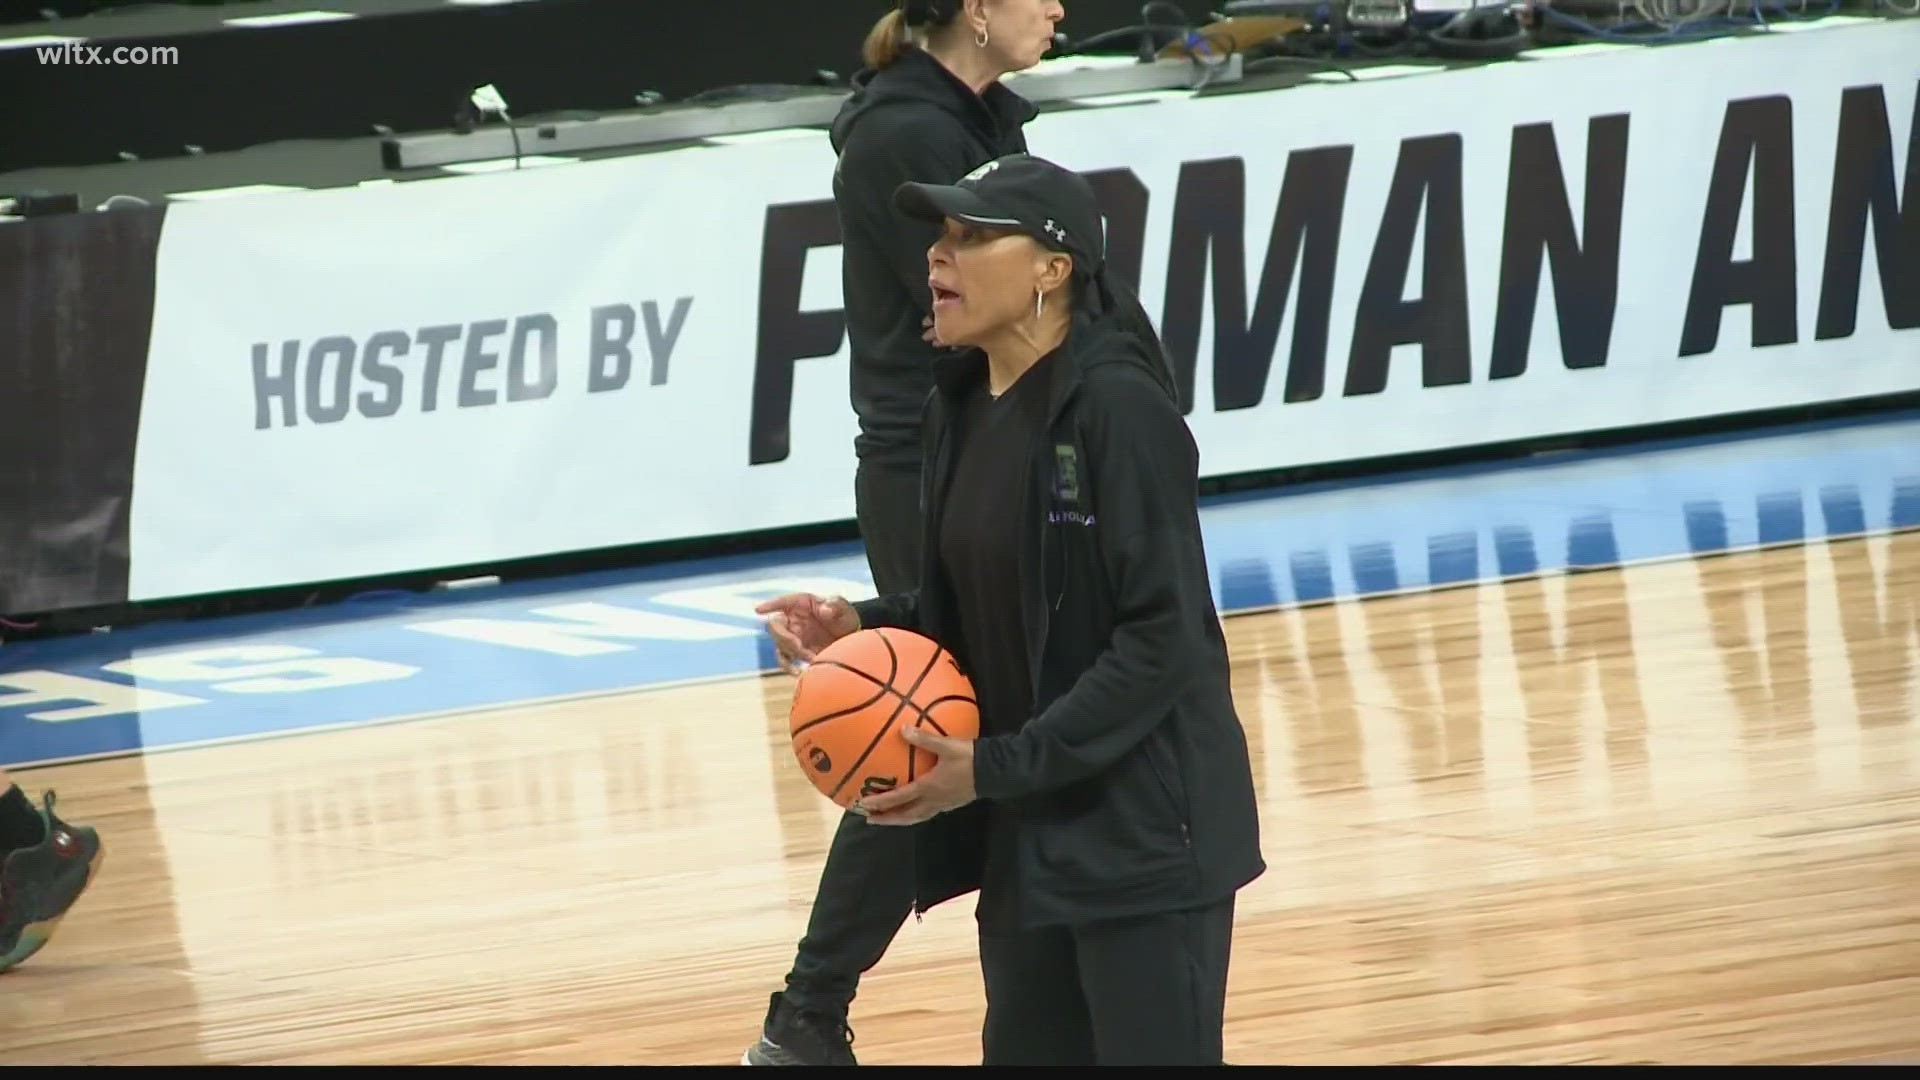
(1066, 488)
(1066, 473)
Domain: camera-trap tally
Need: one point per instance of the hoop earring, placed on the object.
(980, 39)
(1039, 304)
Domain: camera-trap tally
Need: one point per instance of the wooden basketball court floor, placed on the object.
(1628, 809)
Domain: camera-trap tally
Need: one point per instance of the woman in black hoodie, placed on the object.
(928, 107)
(1106, 814)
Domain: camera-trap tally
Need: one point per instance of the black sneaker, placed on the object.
(794, 1037)
(39, 884)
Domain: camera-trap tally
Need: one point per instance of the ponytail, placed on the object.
(887, 40)
(1110, 300)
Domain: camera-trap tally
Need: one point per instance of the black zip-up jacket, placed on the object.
(912, 121)
(1131, 781)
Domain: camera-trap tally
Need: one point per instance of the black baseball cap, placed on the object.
(1053, 204)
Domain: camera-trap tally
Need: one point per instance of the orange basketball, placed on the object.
(857, 696)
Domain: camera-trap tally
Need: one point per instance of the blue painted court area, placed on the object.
(384, 659)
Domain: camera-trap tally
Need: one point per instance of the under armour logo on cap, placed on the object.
(980, 172)
(1059, 234)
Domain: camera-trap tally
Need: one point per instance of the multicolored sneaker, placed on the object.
(792, 1036)
(40, 884)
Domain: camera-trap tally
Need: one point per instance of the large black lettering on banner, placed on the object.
(1864, 192)
(788, 335)
(1583, 253)
(76, 305)
(1123, 201)
(1209, 218)
(1426, 194)
(1756, 143)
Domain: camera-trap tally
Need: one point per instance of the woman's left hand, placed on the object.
(948, 786)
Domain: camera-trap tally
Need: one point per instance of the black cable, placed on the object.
(1105, 39)
(1183, 25)
(725, 95)
(1489, 31)
(1147, 33)
(513, 129)
(1165, 5)
(1218, 42)
(1457, 38)
(470, 117)
(1282, 59)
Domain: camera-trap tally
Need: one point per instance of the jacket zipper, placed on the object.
(1037, 647)
(932, 487)
(1037, 642)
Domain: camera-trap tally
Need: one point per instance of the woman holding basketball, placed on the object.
(1106, 814)
(929, 106)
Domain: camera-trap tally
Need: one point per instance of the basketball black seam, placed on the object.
(905, 701)
(887, 687)
(926, 714)
(913, 760)
(843, 712)
(884, 685)
(926, 717)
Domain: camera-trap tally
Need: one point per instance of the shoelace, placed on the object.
(824, 1025)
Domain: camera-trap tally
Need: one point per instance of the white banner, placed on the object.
(367, 381)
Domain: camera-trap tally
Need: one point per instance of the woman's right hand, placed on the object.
(802, 624)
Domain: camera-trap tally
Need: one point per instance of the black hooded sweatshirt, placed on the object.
(912, 121)
(1131, 782)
